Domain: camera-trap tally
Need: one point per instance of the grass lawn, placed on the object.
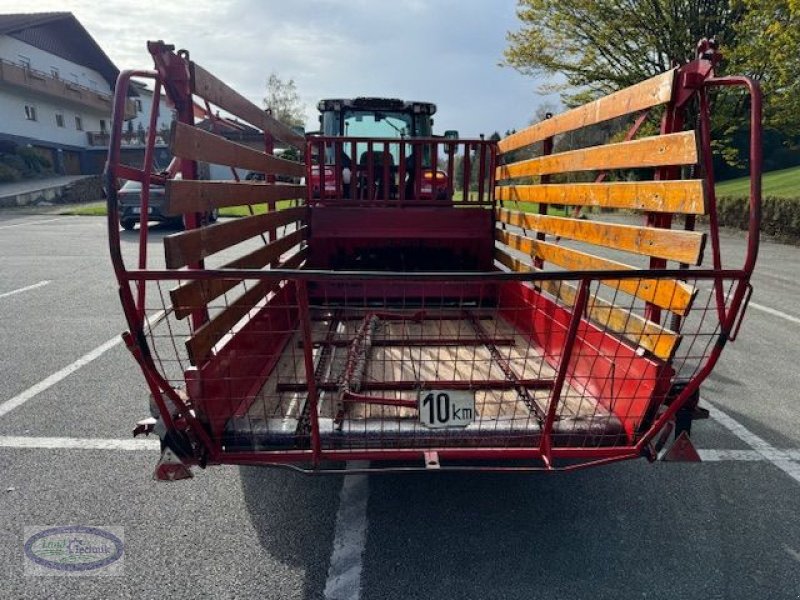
(784, 183)
(98, 209)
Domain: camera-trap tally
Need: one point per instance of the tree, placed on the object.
(603, 45)
(284, 101)
(600, 46)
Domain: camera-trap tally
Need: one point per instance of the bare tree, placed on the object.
(284, 101)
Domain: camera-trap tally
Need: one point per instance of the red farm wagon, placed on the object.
(423, 301)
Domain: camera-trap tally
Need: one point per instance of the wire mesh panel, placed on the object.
(499, 364)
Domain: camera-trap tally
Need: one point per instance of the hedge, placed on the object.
(779, 216)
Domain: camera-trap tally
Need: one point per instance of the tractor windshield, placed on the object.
(377, 124)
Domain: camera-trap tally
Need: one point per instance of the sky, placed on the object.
(443, 51)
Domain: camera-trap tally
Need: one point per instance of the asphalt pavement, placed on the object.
(725, 528)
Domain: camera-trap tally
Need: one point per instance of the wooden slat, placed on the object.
(210, 333)
(680, 246)
(198, 293)
(196, 144)
(656, 151)
(673, 295)
(199, 196)
(652, 92)
(215, 91)
(652, 337)
(194, 245)
(686, 197)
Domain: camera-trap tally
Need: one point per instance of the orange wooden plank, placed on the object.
(673, 295)
(191, 246)
(659, 150)
(182, 196)
(641, 332)
(199, 292)
(651, 92)
(679, 246)
(686, 197)
(196, 144)
(208, 86)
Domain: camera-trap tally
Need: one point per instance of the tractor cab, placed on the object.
(379, 148)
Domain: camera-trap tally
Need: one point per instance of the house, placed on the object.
(56, 90)
(136, 128)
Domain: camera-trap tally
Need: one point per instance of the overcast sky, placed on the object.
(444, 51)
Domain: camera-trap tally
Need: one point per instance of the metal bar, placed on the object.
(706, 156)
(467, 175)
(481, 171)
(505, 367)
(449, 276)
(144, 209)
(415, 385)
(419, 342)
(563, 366)
(308, 360)
(401, 173)
(547, 148)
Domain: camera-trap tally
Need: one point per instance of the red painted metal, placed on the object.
(579, 358)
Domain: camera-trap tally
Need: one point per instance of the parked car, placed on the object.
(130, 206)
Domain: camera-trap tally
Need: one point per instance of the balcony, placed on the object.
(44, 83)
(129, 138)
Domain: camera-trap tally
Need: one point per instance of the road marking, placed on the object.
(709, 455)
(775, 313)
(24, 289)
(350, 536)
(780, 458)
(31, 223)
(20, 399)
(63, 443)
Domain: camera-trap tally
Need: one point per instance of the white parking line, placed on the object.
(24, 289)
(780, 458)
(775, 313)
(350, 536)
(63, 443)
(31, 223)
(709, 455)
(21, 398)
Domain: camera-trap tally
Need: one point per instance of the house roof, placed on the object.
(60, 33)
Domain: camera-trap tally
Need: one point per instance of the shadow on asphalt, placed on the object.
(294, 515)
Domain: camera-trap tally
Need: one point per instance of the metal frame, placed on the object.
(201, 447)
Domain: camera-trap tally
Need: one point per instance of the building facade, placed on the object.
(56, 90)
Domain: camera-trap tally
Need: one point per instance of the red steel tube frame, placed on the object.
(212, 452)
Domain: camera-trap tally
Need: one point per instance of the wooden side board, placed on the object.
(680, 246)
(652, 92)
(198, 293)
(673, 295)
(182, 196)
(652, 337)
(196, 144)
(207, 86)
(682, 196)
(191, 246)
(656, 151)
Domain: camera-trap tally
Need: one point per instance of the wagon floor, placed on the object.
(395, 357)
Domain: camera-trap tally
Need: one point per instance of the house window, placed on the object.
(138, 104)
(54, 74)
(59, 120)
(102, 125)
(30, 112)
(78, 123)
